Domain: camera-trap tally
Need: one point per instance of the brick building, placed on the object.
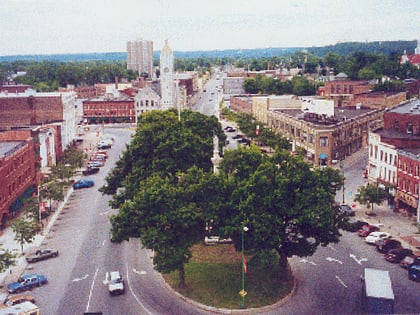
(342, 91)
(241, 104)
(408, 182)
(326, 140)
(380, 100)
(109, 110)
(18, 172)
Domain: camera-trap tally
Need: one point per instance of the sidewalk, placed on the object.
(7, 241)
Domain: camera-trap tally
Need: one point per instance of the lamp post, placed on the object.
(243, 292)
(342, 170)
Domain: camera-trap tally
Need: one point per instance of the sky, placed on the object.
(84, 26)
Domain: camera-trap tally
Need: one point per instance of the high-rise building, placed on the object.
(140, 56)
(167, 77)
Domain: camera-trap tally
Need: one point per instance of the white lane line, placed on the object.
(91, 290)
(135, 296)
(359, 261)
(334, 260)
(341, 281)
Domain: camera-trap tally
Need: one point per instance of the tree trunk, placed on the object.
(182, 284)
(282, 258)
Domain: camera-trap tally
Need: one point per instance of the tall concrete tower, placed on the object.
(167, 77)
(140, 56)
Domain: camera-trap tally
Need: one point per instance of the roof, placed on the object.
(378, 284)
(412, 107)
(414, 59)
(8, 146)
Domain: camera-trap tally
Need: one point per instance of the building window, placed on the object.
(323, 141)
(311, 138)
(396, 125)
(410, 128)
(382, 156)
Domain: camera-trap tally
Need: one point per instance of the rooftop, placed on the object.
(411, 107)
(341, 114)
(7, 147)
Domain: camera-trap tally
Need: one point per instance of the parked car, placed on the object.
(385, 245)
(83, 183)
(410, 260)
(95, 163)
(365, 230)
(116, 283)
(90, 170)
(397, 254)
(42, 254)
(26, 282)
(103, 146)
(376, 236)
(414, 272)
(346, 209)
(102, 152)
(353, 225)
(17, 299)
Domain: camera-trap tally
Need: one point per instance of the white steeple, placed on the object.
(417, 50)
(166, 76)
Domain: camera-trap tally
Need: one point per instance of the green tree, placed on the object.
(25, 231)
(7, 259)
(367, 74)
(287, 206)
(250, 86)
(371, 194)
(168, 214)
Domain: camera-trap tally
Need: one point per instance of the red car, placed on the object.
(365, 230)
(409, 260)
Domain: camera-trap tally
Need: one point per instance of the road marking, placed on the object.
(135, 296)
(330, 246)
(80, 279)
(341, 281)
(306, 261)
(106, 281)
(139, 272)
(334, 260)
(91, 290)
(359, 261)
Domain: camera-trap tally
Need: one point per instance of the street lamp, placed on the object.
(342, 170)
(243, 292)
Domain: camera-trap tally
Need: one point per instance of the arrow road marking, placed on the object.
(341, 281)
(359, 261)
(334, 260)
(307, 261)
(80, 279)
(139, 272)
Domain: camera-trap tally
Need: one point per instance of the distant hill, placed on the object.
(346, 49)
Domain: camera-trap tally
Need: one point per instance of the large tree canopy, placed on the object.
(286, 205)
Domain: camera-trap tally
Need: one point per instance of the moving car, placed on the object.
(365, 230)
(376, 236)
(385, 245)
(90, 170)
(26, 282)
(414, 272)
(83, 183)
(116, 283)
(410, 260)
(42, 254)
(346, 209)
(397, 254)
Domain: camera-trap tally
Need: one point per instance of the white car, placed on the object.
(116, 283)
(375, 236)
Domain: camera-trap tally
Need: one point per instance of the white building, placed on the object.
(382, 167)
(167, 77)
(146, 100)
(140, 56)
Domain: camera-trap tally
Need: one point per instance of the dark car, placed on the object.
(397, 254)
(385, 245)
(18, 299)
(90, 170)
(83, 183)
(365, 230)
(27, 282)
(42, 254)
(414, 272)
(410, 260)
(352, 225)
(346, 209)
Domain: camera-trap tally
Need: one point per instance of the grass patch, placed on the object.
(214, 278)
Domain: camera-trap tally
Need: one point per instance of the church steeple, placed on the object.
(166, 76)
(417, 50)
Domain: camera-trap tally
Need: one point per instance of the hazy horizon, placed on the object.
(49, 27)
